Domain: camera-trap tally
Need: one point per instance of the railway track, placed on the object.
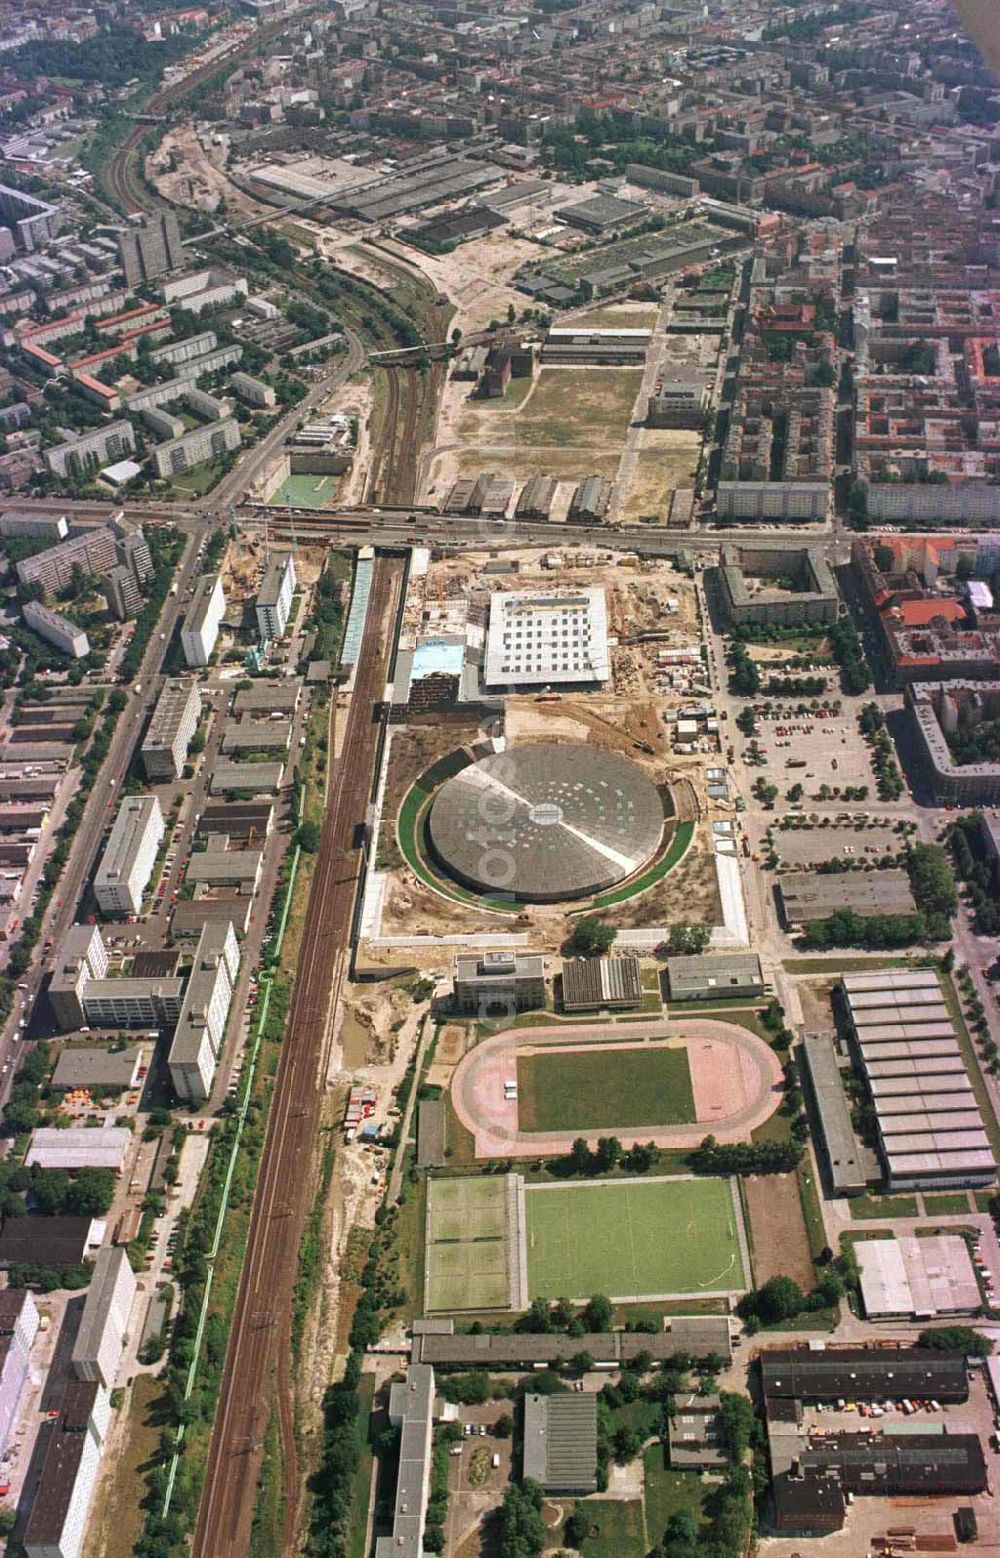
(258, 1358)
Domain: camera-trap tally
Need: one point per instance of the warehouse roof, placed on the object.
(224, 865)
(718, 972)
(826, 1374)
(917, 1277)
(47, 1241)
(814, 895)
(255, 777)
(269, 697)
(78, 1147)
(560, 1441)
(589, 982)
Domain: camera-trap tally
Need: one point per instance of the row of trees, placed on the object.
(978, 872)
(849, 652)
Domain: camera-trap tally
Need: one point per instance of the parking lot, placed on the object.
(811, 751)
(851, 842)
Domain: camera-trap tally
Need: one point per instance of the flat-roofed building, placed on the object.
(78, 1147)
(57, 630)
(589, 983)
(246, 778)
(268, 697)
(808, 896)
(715, 976)
(99, 1069)
(274, 598)
(693, 1436)
(129, 856)
(226, 868)
(82, 956)
(904, 1033)
(411, 1411)
(257, 735)
(191, 915)
(60, 1509)
(844, 1161)
(693, 1336)
(906, 1278)
(37, 1240)
(133, 1003)
(200, 631)
(98, 1347)
(175, 720)
(201, 1026)
(499, 981)
(560, 1442)
(537, 640)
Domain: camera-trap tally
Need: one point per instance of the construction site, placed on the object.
(444, 719)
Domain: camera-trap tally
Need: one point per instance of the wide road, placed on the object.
(256, 1371)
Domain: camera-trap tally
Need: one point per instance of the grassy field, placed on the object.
(616, 1088)
(632, 1239)
(674, 853)
(867, 1208)
(467, 1247)
(362, 1479)
(579, 406)
(667, 1492)
(616, 1529)
(954, 1205)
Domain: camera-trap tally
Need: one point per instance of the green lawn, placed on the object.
(667, 1492)
(615, 1088)
(866, 1207)
(615, 1528)
(361, 1481)
(632, 1239)
(955, 1205)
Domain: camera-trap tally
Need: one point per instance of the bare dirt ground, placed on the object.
(476, 276)
(778, 1230)
(571, 424)
(667, 459)
(187, 175)
(688, 894)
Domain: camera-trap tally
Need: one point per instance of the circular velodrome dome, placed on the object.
(546, 822)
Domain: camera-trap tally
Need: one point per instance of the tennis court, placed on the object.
(468, 1254)
(635, 1239)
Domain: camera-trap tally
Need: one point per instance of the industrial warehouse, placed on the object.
(903, 1044)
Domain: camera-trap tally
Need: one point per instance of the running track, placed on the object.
(723, 1058)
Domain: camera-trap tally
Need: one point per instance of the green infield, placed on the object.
(619, 1088)
(634, 1239)
(468, 1260)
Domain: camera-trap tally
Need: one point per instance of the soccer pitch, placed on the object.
(634, 1239)
(619, 1088)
